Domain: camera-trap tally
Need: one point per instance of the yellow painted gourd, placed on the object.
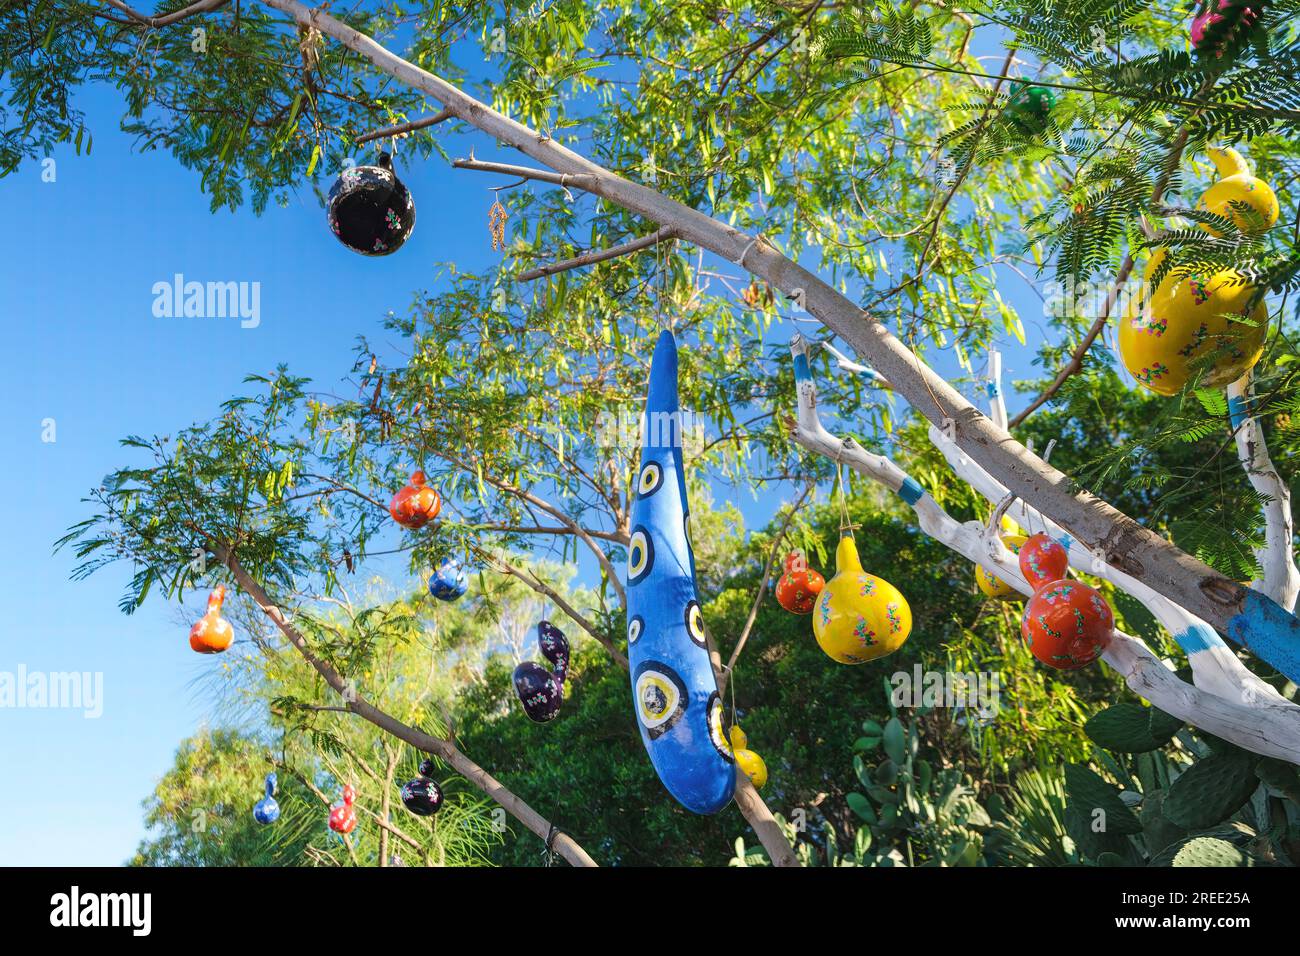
(1188, 316)
(994, 586)
(750, 763)
(1185, 319)
(1238, 185)
(859, 617)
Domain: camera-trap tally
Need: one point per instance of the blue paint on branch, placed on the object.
(801, 371)
(1269, 632)
(910, 491)
(1198, 637)
(1236, 411)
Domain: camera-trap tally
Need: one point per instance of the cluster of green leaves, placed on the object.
(1165, 796)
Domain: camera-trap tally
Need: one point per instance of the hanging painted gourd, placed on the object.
(449, 581)
(343, 818)
(415, 505)
(798, 586)
(422, 796)
(859, 617)
(1223, 24)
(1238, 186)
(674, 691)
(212, 633)
(1188, 318)
(370, 210)
(539, 690)
(267, 810)
(1066, 624)
(994, 586)
(1029, 107)
(750, 763)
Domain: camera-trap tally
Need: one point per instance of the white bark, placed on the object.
(1217, 668)
(1280, 579)
(1251, 714)
(1125, 543)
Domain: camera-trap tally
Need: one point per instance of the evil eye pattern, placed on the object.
(660, 697)
(716, 732)
(672, 679)
(651, 479)
(640, 555)
(695, 623)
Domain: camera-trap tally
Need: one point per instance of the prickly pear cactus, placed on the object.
(1209, 851)
(1226, 807)
(1131, 728)
(1211, 790)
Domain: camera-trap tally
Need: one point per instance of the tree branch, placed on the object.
(773, 554)
(1281, 579)
(1252, 618)
(1265, 725)
(563, 844)
(598, 255)
(402, 129)
(202, 6)
(541, 587)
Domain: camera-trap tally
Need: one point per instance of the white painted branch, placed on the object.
(1273, 730)
(866, 371)
(1281, 579)
(1223, 602)
(1214, 664)
(993, 380)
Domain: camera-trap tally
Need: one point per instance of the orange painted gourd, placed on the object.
(415, 505)
(859, 617)
(212, 633)
(798, 586)
(1066, 624)
(994, 586)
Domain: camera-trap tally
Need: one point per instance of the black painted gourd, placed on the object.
(422, 796)
(370, 210)
(540, 690)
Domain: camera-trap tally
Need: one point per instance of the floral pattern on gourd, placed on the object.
(860, 617)
(1066, 623)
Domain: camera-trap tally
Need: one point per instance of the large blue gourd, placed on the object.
(674, 691)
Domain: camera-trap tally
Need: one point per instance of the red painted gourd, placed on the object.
(415, 505)
(343, 818)
(798, 586)
(1066, 624)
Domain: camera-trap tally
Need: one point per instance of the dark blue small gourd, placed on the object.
(540, 690)
(267, 810)
(422, 796)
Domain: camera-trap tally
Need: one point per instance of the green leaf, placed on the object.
(1098, 803)
(1211, 790)
(1208, 851)
(860, 805)
(1123, 727)
(893, 739)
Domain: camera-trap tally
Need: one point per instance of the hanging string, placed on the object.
(661, 263)
(846, 523)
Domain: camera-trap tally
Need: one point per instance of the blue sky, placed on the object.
(89, 354)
